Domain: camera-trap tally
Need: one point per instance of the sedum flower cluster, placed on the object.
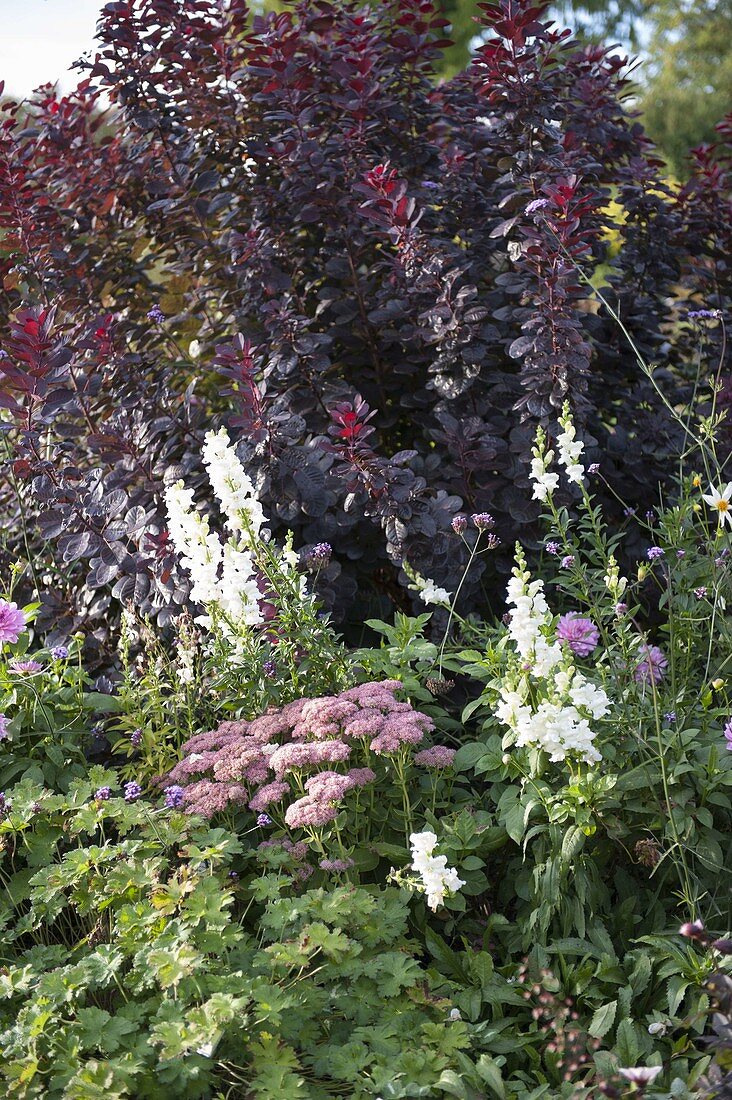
(299, 763)
(543, 698)
(437, 879)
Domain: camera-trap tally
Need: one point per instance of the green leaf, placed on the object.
(490, 1074)
(603, 1020)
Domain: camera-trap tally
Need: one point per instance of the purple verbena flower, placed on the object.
(670, 717)
(652, 666)
(567, 561)
(492, 542)
(4, 723)
(628, 512)
(132, 791)
(680, 554)
(5, 804)
(651, 516)
(578, 632)
(594, 468)
(156, 314)
(704, 314)
(483, 520)
(269, 668)
(12, 622)
(173, 797)
(459, 524)
(552, 547)
(319, 555)
(621, 608)
(536, 205)
(700, 592)
(60, 652)
(136, 738)
(263, 820)
(431, 185)
(653, 553)
(102, 794)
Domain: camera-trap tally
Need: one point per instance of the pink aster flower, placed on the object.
(439, 756)
(651, 667)
(579, 633)
(12, 621)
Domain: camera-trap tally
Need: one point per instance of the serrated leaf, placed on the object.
(603, 1020)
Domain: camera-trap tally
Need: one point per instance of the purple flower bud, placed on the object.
(483, 520)
(670, 717)
(60, 652)
(459, 524)
(552, 547)
(621, 608)
(567, 561)
(723, 946)
(653, 553)
(233, 876)
(132, 791)
(700, 592)
(3, 353)
(102, 794)
(136, 738)
(594, 468)
(628, 512)
(536, 205)
(263, 820)
(156, 314)
(680, 554)
(269, 668)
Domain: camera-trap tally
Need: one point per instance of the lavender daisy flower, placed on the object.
(132, 791)
(579, 633)
(652, 666)
(173, 797)
(12, 622)
(25, 668)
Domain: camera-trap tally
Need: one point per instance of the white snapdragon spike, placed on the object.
(431, 593)
(614, 583)
(231, 484)
(544, 482)
(544, 700)
(240, 593)
(438, 879)
(200, 550)
(570, 448)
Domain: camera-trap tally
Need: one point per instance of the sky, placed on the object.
(40, 40)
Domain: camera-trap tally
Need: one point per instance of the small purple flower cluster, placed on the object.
(655, 553)
(60, 652)
(136, 738)
(318, 556)
(156, 314)
(4, 723)
(261, 763)
(652, 665)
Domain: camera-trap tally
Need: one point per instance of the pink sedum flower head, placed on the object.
(12, 622)
(579, 633)
(439, 756)
(652, 666)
